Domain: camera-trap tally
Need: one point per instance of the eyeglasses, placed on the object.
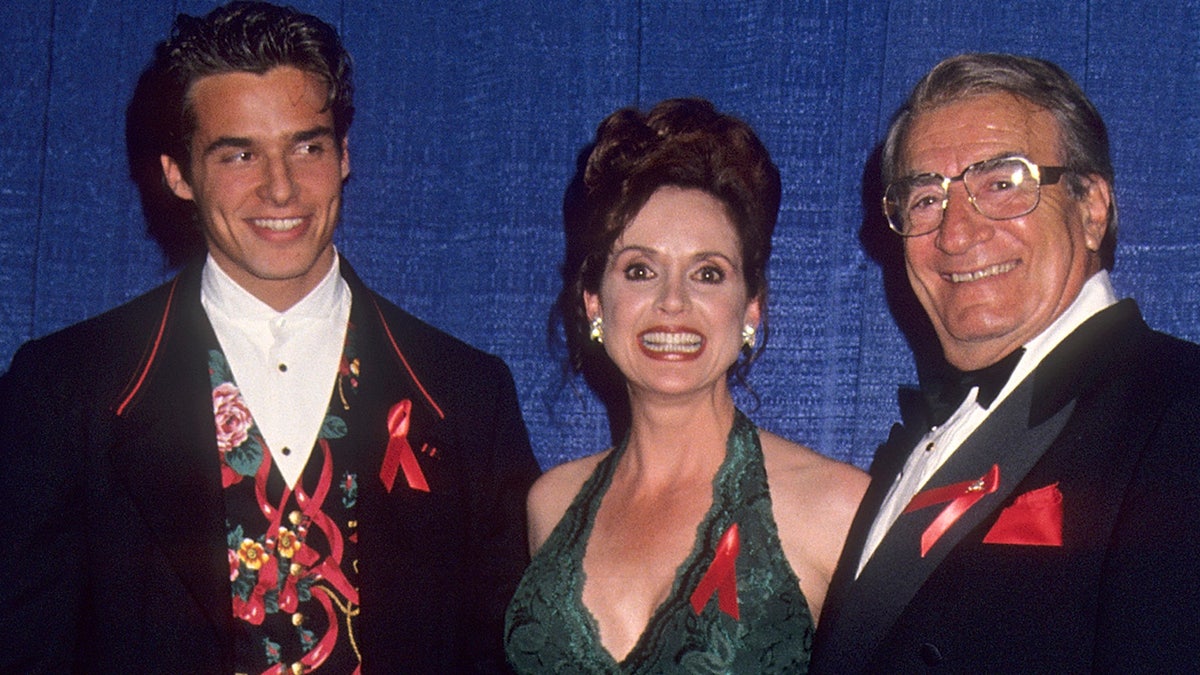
(1001, 188)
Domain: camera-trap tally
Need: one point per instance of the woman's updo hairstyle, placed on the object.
(683, 143)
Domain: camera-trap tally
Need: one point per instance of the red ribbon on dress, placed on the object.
(721, 577)
(961, 496)
(399, 453)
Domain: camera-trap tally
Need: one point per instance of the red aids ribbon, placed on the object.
(399, 453)
(961, 496)
(721, 577)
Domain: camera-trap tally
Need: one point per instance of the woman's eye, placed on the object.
(711, 275)
(637, 272)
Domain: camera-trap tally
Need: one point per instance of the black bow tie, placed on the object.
(946, 394)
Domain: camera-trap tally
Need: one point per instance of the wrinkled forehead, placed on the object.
(949, 136)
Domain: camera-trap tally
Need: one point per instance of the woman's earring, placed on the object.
(749, 338)
(597, 332)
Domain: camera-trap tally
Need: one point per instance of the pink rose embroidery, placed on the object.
(232, 417)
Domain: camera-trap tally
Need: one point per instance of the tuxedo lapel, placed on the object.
(166, 455)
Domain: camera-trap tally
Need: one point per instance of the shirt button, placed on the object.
(283, 367)
(286, 450)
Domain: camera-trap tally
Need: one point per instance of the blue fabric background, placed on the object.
(470, 117)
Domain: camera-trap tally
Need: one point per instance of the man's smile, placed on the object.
(277, 224)
(989, 271)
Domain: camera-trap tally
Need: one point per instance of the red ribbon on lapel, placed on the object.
(961, 496)
(399, 453)
(721, 577)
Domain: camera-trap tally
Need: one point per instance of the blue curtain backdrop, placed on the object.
(470, 118)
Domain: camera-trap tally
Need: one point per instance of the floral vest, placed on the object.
(292, 551)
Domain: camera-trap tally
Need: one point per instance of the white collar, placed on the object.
(221, 292)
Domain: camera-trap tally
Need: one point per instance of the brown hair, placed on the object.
(247, 37)
(684, 143)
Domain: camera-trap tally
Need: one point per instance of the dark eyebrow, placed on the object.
(241, 142)
(226, 142)
(698, 257)
(311, 134)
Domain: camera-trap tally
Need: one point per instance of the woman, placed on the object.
(700, 544)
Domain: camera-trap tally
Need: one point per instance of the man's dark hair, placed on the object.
(1042, 83)
(249, 37)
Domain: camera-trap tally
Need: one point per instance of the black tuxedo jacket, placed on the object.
(1111, 417)
(112, 549)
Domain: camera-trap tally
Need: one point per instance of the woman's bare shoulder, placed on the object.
(792, 465)
(814, 499)
(553, 492)
(815, 496)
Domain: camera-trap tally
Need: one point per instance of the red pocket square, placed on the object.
(1033, 519)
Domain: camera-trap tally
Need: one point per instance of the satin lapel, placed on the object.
(166, 456)
(838, 641)
(896, 570)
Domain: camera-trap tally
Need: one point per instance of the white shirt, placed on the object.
(285, 363)
(941, 442)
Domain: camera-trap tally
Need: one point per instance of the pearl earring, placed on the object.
(597, 332)
(749, 337)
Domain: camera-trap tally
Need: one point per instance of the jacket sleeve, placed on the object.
(1149, 596)
(42, 560)
(500, 548)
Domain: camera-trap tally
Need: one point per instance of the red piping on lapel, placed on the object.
(135, 384)
(392, 340)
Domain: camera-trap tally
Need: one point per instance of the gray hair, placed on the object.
(1083, 134)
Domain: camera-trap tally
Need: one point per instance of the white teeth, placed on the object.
(277, 224)
(672, 342)
(985, 272)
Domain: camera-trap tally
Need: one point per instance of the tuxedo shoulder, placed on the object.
(431, 349)
(1175, 350)
(419, 335)
(1168, 363)
(113, 336)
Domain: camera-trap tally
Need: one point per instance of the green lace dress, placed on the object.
(549, 630)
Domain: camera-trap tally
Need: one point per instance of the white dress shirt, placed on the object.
(284, 363)
(941, 442)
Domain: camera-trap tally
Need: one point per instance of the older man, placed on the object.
(1042, 512)
(261, 466)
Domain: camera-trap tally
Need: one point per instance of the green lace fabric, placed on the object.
(549, 630)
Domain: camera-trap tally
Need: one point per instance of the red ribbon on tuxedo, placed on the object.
(961, 496)
(721, 577)
(399, 453)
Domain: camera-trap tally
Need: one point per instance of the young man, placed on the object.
(262, 465)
